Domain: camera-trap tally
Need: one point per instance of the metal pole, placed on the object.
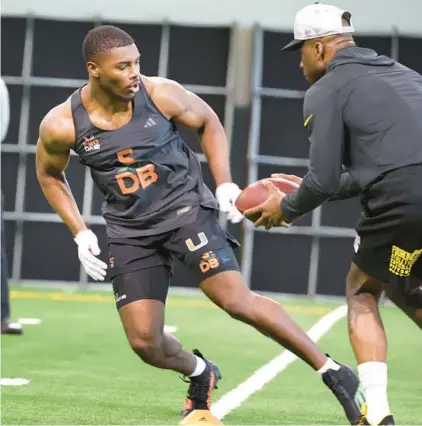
(86, 214)
(88, 196)
(253, 146)
(230, 99)
(72, 83)
(22, 141)
(395, 43)
(314, 260)
(164, 50)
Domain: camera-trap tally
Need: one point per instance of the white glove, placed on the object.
(226, 195)
(87, 250)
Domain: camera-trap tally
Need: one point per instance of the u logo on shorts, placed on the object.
(203, 241)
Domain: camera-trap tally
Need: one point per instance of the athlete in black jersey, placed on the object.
(122, 126)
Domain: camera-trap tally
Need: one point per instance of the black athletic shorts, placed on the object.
(389, 234)
(141, 268)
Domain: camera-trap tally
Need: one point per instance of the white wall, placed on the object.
(369, 16)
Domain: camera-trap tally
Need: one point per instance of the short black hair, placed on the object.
(103, 39)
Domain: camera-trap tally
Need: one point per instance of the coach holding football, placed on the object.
(363, 114)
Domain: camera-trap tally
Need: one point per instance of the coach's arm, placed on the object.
(324, 121)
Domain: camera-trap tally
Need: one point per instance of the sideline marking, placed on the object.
(29, 321)
(13, 382)
(170, 329)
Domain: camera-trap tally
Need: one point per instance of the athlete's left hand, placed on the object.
(226, 195)
(270, 212)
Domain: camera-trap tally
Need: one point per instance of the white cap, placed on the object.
(319, 20)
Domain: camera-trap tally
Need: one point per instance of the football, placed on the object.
(256, 193)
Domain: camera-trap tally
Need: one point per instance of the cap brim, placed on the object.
(293, 45)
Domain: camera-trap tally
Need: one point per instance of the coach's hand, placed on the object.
(87, 251)
(226, 195)
(270, 211)
(292, 178)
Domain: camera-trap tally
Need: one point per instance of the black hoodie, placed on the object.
(365, 116)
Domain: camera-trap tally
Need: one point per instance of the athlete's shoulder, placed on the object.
(57, 127)
(169, 96)
(160, 85)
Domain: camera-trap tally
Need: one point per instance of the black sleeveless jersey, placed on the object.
(151, 180)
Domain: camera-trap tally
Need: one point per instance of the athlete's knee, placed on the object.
(241, 308)
(362, 293)
(229, 291)
(362, 288)
(147, 345)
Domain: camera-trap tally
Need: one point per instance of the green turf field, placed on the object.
(82, 371)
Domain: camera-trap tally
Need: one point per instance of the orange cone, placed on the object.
(200, 418)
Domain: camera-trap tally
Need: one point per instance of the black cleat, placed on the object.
(386, 421)
(9, 327)
(346, 387)
(201, 387)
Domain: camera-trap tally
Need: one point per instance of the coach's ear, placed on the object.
(93, 69)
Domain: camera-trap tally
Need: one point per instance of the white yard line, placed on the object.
(13, 382)
(237, 396)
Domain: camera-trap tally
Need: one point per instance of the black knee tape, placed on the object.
(150, 283)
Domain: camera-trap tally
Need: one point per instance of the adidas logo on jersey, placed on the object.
(90, 143)
(150, 122)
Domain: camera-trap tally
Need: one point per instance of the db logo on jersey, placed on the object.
(90, 143)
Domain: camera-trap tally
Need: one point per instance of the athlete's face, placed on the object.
(118, 71)
(312, 61)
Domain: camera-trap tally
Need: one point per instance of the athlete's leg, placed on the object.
(205, 249)
(366, 281)
(142, 316)
(407, 295)
(387, 248)
(229, 291)
(140, 274)
(366, 330)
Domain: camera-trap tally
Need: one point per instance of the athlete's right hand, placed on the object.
(87, 251)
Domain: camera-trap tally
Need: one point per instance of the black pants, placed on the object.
(5, 309)
(390, 229)
(141, 267)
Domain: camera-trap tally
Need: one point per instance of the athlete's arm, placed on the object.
(186, 108)
(52, 158)
(56, 138)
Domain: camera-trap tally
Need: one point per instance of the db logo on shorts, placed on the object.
(208, 261)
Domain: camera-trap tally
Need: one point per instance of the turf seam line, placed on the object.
(177, 303)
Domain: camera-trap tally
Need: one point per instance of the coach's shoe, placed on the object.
(9, 327)
(201, 387)
(346, 387)
(386, 421)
